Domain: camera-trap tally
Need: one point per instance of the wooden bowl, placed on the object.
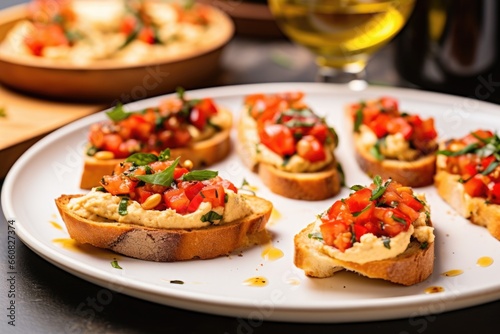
(110, 80)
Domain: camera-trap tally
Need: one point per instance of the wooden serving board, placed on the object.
(27, 119)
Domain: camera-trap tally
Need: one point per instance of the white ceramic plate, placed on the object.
(52, 167)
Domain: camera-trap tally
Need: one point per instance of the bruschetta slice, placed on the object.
(152, 208)
(468, 177)
(392, 143)
(380, 231)
(194, 129)
(289, 146)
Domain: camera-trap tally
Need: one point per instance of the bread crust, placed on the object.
(413, 266)
(203, 153)
(418, 173)
(473, 208)
(168, 245)
(304, 186)
(311, 186)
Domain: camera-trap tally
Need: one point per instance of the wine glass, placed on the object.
(342, 34)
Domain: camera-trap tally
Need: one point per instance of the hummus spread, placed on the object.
(372, 248)
(295, 164)
(391, 147)
(99, 206)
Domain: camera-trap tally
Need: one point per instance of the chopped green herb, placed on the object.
(355, 214)
(91, 151)
(115, 264)
(424, 245)
(467, 149)
(100, 188)
(375, 151)
(358, 120)
(164, 155)
(491, 167)
(122, 207)
(142, 159)
(387, 242)
(340, 170)
(315, 235)
(379, 189)
(176, 281)
(164, 178)
(199, 175)
(357, 187)
(399, 219)
(118, 113)
(210, 217)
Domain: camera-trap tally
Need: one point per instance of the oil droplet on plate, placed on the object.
(434, 289)
(256, 281)
(275, 216)
(56, 225)
(484, 261)
(453, 272)
(74, 246)
(272, 253)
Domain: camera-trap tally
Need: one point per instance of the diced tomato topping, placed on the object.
(141, 194)
(212, 194)
(475, 186)
(400, 125)
(118, 184)
(176, 199)
(336, 234)
(494, 196)
(191, 188)
(311, 149)
(278, 138)
(147, 35)
(379, 125)
(389, 103)
(358, 214)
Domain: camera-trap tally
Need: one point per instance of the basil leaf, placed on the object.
(356, 187)
(164, 155)
(117, 113)
(467, 149)
(358, 120)
(375, 152)
(491, 168)
(380, 189)
(199, 175)
(142, 159)
(340, 170)
(122, 207)
(210, 217)
(164, 178)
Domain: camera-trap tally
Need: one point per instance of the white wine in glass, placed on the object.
(343, 34)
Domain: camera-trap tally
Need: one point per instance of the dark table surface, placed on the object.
(49, 300)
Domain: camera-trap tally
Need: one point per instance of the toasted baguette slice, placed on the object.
(202, 153)
(473, 208)
(167, 245)
(413, 266)
(311, 186)
(304, 186)
(418, 173)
